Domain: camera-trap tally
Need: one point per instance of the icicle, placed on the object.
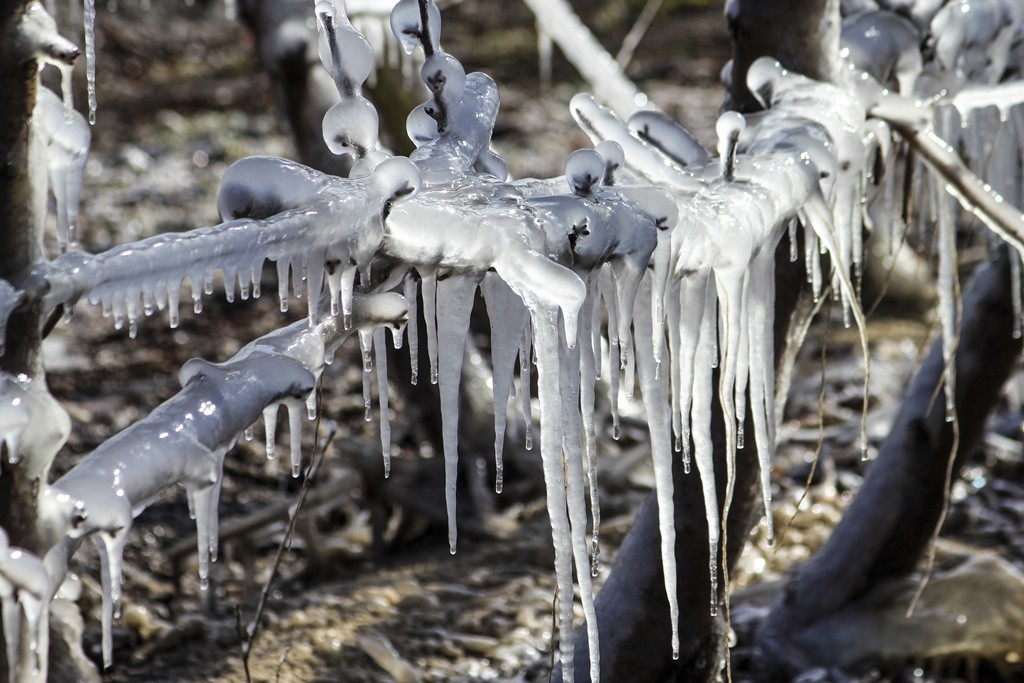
(282, 284)
(68, 139)
(381, 354)
(111, 551)
(588, 378)
(314, 284)
(607, 288)
(575, 499)
(545, 326)
(655, 394)
(454, 305)
(701, 419)
(525, 382)
(411, 291)
(205, 501)
(366, 346)
(295, 434)
(428, 289)
(761, 349)
(270, 430)
(172, 306)
(794, 245)
(946, 285)
(90, 56)
(508, 320)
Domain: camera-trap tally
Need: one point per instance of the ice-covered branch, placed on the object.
(974, 195)
(560, 22)
(277, 210)
(184, 440)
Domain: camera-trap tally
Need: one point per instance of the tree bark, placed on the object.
(802, 36)
(890, 522)
(20, 227)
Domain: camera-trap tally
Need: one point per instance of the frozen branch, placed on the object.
(185, 439)
(974, 195)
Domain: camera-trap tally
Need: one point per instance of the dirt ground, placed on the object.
(180, 98)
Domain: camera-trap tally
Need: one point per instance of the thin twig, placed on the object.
(280, 663)
(636, 34)
(240, 632)
(821, 427)
(951, 459)
(428, 47)
(318, 450)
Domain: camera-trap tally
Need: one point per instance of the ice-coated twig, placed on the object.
(184, 440)
(38, 37)
(974, 195)
(350, 126)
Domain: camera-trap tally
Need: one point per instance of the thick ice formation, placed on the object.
(735, 212)
(973, 39)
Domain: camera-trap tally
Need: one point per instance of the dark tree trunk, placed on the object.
(803, 36)
(19, 232)
(890, 523)
(20, 247)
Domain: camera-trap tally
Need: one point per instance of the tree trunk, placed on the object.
(890, 522)
(803, 36)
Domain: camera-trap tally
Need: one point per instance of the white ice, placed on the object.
(67, 146)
